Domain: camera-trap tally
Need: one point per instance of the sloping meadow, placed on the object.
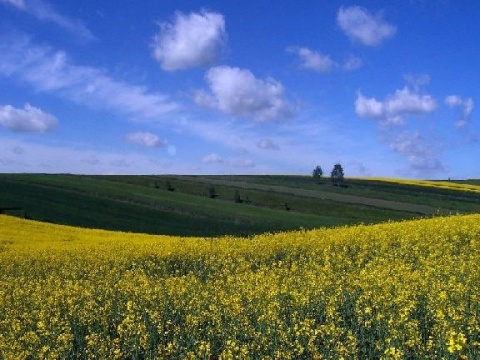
(390, 291)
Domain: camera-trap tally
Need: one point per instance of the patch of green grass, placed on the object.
(270, 203)
(99, 203)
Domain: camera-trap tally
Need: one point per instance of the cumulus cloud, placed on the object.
(421, 153)
(395, 107)
(28, 119)
(193, 40)
(267, 144)
(361, 25)
(145, 139)
(44, 11)
(369, 108)
(238, 92)
(321, 63)
(466, 106)
(312, 60)
(47, 70)
(406, 102)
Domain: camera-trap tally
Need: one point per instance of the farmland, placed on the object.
(399, 290)
(267, 203)
(154, 267)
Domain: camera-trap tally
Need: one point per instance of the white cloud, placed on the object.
(146, 139)
(419, 153)
(417, 81)
(44, 11)
(292, 138)
(43, 158)
(51, 71)
(395, 107)
(212, 159)
(453, 100)
(369, 108)
(193, 40)
(465, 104)
(406, 102)
(352, 63)
(237, 92)
(28, 119)
(361, 25)
(267, 144)
(312, 60)
(321, 63)
(19, 4)
(407, 143)
(227, 164)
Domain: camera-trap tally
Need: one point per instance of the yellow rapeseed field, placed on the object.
(407, 290)
(447, 185)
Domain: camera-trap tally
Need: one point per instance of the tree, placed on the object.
(212, 193)
(337, 174)
(317, 174)
(237, 198)
(169, 186)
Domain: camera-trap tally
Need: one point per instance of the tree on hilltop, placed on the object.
(317, 174)
(337, 175)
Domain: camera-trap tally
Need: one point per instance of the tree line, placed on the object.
(336, 175)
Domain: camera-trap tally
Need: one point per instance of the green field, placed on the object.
(268, 203)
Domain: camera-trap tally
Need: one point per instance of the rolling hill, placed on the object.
(240, 205)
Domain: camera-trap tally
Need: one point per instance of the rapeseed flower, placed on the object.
(388, 291)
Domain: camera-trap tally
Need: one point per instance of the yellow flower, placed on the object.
(393, 353)
(390, 290)
(456, 341)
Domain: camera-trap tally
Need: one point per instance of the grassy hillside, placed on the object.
(268, 203)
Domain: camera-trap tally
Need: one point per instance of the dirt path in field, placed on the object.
(325, 195)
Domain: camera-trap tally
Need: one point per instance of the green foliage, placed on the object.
(317, 173)
(337, 174)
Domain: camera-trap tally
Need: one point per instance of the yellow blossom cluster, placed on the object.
(407, 290)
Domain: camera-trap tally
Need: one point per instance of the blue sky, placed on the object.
(248, 87)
